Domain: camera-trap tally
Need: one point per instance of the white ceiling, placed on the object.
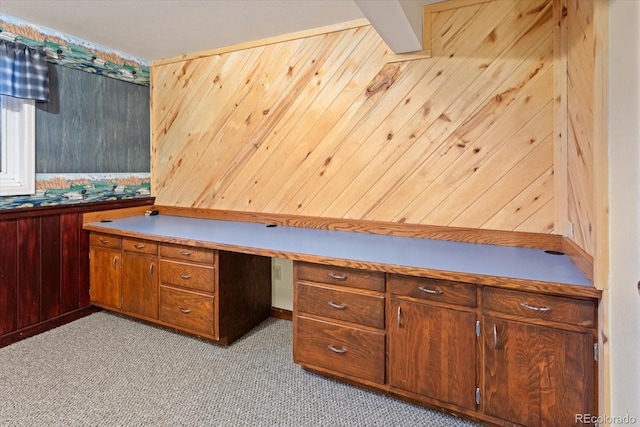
(158, 29)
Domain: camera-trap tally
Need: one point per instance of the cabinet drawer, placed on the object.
(341, 305)
(140, 246)
(446, 291)
(187, 310)
(363, 279)
(538, 306)
(105, 240)
(187, 253)
(341, 349)
(187, 275)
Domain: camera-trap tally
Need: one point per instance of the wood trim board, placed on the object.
(458, 234)
(266, 41)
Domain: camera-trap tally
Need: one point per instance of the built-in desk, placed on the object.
(372, 251)
(505, 335)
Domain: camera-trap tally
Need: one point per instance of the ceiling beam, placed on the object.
(398, 22)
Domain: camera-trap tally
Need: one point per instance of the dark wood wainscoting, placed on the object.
(44, 267)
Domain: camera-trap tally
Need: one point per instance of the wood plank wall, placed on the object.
(328, 126)
(581, 46)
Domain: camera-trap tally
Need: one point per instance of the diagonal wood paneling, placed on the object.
(324, 126)
(580, 136)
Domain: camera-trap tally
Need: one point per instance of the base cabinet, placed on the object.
(539, 367)
(140, 277)
(187, 288)
(535, 375)
(123, 274)
(216, 295)
(105, 270)
(504, 357)
(432, 352)
(339, 321)
(432, 339)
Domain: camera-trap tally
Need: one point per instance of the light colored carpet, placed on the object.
(105, 370)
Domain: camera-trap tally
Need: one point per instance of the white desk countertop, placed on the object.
(470, 258)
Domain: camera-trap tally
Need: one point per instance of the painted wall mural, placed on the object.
(64, 189)
(75, 53)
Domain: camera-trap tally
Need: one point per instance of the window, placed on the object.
(17, 146)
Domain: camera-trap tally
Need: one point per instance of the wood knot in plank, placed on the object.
(384, 79)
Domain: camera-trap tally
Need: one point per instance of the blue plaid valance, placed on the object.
(23, 71)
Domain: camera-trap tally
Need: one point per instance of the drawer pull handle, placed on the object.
(495, 336)
(430, 291)
(337, 306)
(337, 350)
(338, 276)
(399, 316)
(185, 276)
(534, 308)
(185, 252)
(103, 241)
(151, 269)
(185, 310)
(114, 261)
(139, 245)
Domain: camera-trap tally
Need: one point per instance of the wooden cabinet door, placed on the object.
(536, 375)
(104, 276)
(432, 351)
(140, 284)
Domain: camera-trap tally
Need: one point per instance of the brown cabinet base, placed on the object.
(499, 356)
(215, 295)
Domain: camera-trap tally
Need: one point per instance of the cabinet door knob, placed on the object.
(337, 306)
(114, 262)
(338, 276)
(185, 310)
(535, 308)
(337, 350)
(151, 269)
(430, 291)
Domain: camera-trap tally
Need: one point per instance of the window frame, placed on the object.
(17, 146)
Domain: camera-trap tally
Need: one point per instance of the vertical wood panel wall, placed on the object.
(44, 266)
(326, 125)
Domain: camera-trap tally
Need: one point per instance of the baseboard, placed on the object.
(280, 313)
(41, 327)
